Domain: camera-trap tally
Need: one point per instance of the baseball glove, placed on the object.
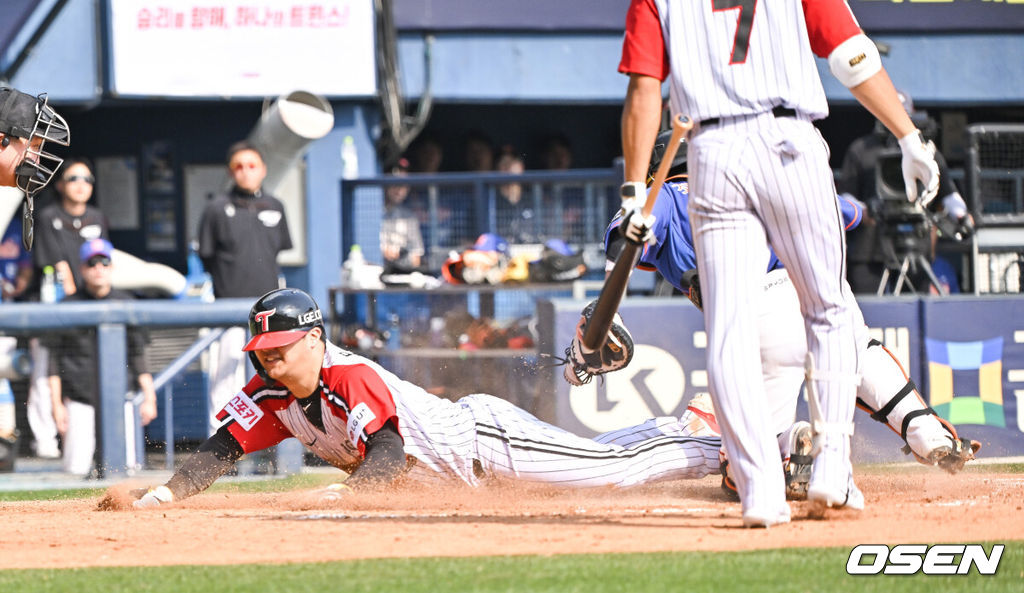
(692, 280)
(617, 351)
(953, 459)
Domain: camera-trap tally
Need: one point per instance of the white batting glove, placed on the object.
(636, 228)
(919, 165)
(154, 498)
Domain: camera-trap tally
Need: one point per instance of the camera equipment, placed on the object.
(904, 228)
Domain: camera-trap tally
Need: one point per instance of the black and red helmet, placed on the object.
(281, 317)
(660, 146)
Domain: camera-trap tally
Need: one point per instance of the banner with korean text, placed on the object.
(242, 48)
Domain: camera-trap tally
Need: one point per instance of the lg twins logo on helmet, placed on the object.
(307, 318)
(263, 318)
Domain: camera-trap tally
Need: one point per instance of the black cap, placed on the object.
(20, 111)
(281, 317)
(660, 144)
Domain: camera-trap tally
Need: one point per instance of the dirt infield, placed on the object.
(919, 505)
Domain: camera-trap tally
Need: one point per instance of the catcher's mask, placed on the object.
(660, 144)
(279, 318)
(31, 118)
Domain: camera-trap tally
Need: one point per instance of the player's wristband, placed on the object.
(634, 190)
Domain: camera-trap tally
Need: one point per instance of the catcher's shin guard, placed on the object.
(798, 467)
(931, 439)
(728, 485)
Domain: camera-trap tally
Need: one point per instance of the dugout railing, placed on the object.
(118, 410)
(456, 208)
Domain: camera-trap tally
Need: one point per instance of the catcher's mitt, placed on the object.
(692, 280)
(617, 351)
(953, 458)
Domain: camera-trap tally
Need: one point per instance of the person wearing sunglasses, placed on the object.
(74, 370)
(68, 223)
(241, 233)
(61, 228)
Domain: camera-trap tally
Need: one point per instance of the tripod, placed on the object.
(903, 257)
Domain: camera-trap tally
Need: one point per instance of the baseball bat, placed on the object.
(614, 288)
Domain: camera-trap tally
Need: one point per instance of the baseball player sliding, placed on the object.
(26, 124)
(885, 392)
(363, 419)
(759, 175)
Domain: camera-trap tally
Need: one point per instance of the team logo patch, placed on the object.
(263, 318)
(358, 419)
(244, 411)
(269, 218)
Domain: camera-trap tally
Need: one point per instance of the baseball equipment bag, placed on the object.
(558, 263)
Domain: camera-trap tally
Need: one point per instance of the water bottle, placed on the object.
(58, 284)
(351, 270)
(48, 288)
(349, 158)
(394, 332)
(437, 332)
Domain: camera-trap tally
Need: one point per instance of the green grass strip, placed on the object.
(766, 571)
(284, 484)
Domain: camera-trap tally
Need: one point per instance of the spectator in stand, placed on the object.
(557, 153)
(61, 229)
(514, 213)
(478, 152)
(15, 263)
(401, 242)
(73, 357)
(15, 274)
(564, 204)
(426, 154)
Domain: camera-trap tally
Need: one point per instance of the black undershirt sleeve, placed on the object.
(384, 460)
(213, 459)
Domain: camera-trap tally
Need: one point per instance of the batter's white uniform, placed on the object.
(758, 177)
(469, 439)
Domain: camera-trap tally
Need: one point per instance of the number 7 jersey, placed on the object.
(736, 57)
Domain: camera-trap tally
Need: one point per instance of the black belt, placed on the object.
(779, 111)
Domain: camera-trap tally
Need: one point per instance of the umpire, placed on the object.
(26, 124)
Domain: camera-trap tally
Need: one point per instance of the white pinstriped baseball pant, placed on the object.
(754, 181)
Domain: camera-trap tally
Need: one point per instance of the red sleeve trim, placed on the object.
(829, 23)
(362, 391)
(643, 47)
(252, 420)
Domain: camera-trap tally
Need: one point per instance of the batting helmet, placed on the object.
(281, 317)
(660, 144)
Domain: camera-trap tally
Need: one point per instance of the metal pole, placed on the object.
(111, 343)
(169, 427)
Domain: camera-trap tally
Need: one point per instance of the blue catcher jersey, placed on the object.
(672, 253)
